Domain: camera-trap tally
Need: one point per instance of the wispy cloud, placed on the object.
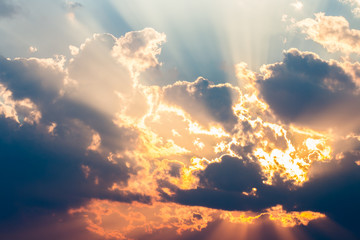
(332, 32)
(355, 4)
(72, 5)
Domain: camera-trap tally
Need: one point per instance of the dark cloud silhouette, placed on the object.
(204, 101)
(43, 82)
(222, 185)
(334, 192)
(231, 174)
(305, 89)
(40, 81)
(44, 172)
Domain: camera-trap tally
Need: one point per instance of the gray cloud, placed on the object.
(40, 81)
(231, 174)
(307, 90)
(333, 192)
(204, 101)
(54, 171)
(8, 8)
(72, 5)
(48, 171)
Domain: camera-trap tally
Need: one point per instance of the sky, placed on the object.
(164, 119)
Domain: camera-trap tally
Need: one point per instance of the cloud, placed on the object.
(204, 102)
(93, 137)
(19, 110)
(33, 49)
(225, 185)
(332, 192)
(355, 4)
(28, 78)
(231, 174)
(306, 89)
(332, 32)
(139, 49)
(69, 5)
(72, 151)
(299, 90)
(297, 5)
(93, 86)
(47, 173)
(7, 8)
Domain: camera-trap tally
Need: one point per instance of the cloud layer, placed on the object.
(97, 143)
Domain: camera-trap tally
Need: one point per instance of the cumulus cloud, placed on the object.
(204, 101)
(19, 110)
(79, 148)
(332, 32)
(93, 137)
(139, 49)
(93, 86)
(47, 173)
(306, 89)
(232, 174)
(332, 192)
(301, 89)
(60, 114)
(29, 78)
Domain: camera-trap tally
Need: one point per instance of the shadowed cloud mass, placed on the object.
(306, 89)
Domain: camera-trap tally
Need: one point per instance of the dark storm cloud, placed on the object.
(204, 101)
(303, 87)
(7, 8)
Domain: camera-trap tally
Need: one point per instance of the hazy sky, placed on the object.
(163, 119)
